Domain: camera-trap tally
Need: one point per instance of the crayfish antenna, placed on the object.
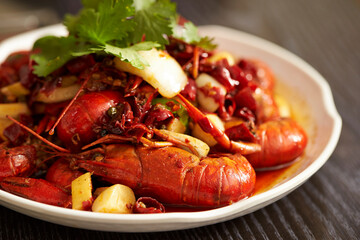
(38, 136)
(110, 138)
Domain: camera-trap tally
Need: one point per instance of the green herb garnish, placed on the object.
(117, 27)
(190, 34)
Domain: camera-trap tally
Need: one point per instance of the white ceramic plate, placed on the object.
(297, 79)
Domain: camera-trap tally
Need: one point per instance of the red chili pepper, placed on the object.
(148, 205)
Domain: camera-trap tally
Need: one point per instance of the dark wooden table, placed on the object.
(326, 34)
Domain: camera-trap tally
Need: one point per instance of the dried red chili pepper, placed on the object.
(148, 205)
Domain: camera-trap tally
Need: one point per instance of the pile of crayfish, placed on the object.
(196, 144)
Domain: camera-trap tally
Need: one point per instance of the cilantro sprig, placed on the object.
(121, 28)
(189, 33)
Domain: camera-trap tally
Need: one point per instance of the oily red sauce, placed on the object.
(268, 179)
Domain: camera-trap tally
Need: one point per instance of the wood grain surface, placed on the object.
(326, 34)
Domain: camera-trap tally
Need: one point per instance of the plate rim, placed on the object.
(209, 216)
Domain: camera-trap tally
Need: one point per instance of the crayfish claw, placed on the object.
(36, 189)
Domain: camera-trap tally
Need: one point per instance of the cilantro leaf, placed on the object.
(207, 43)
(190, 34)
(71, 22)
(54, 52)
(153, 19)
(84, 48)
(109, 22)
(130, 54)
